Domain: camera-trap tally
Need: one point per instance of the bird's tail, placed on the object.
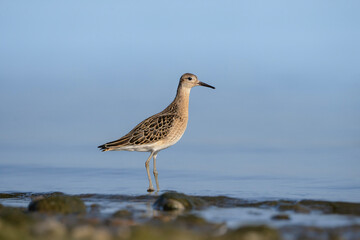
(104, 148)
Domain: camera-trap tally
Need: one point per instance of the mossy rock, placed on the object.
(346, 208)
(14, 216)
(6, 195)
(191, 219)
(261, 232)
(296, 207)
(13, 232)
(14, 195)
(35, 196)
(123, 213)
(171, 201)
(58, 204)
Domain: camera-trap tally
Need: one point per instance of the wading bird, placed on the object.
(161, 130)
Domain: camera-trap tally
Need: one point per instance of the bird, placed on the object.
(161, 130)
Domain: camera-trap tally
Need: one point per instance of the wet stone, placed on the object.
(199, 225)
(346, 208)
(6, 195)
(294, 207)
(14, 195)
(191, 219)
(172, 201)
(123, 213)
(281, 217)
(36, 196)
(58, 204)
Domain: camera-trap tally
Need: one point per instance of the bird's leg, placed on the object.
(156, 172)
(151, 188)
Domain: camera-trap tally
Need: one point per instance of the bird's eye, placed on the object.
(189, 78)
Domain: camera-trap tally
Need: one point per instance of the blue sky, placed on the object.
(76, 74)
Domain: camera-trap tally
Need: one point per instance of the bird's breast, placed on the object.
(176, 132)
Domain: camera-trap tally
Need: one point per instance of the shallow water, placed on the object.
(255, 216)
(133, 181)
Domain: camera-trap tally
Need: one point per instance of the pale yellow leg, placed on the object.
(156, 172)
(151, 188)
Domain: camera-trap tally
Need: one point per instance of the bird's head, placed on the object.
(189, 80)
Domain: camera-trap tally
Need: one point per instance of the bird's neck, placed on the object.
(182, 101)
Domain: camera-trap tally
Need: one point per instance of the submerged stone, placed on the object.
(171, 201)
(58, 204)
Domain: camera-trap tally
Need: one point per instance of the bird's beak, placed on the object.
(205, 85)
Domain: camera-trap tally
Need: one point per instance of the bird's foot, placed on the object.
(151, 189)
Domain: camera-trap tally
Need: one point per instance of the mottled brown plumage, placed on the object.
(151, 130)
(161, 130)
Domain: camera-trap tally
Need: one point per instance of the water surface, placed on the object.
(133, 181)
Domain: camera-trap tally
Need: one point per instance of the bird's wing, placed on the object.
(150, 130)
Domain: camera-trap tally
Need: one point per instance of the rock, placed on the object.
(261, 232)
(37, 196)
(58, 204)
(14, 223)
(171, 201)
(346, 208)
(174, 204)
(162, 233)
(280, 217)
(6, 195)
(90, 233)
(14, 216)
(197, 224)
(123, 213)
(121, 217)
(191, 219)
(13, 195)
(296, 207)
(51, 228)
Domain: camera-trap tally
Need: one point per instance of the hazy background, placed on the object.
(76, 74)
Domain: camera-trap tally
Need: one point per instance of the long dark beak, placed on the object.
(205, 85)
